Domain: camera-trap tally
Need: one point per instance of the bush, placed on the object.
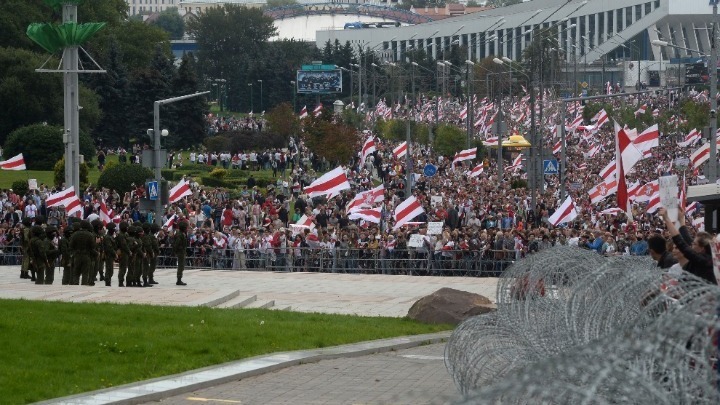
(110, 164)
(20, 187)
(213, 182)
(197, 168)
(42, 146)
(449, 140)
(218, 173)
(167, 174)
(59, 173)
(122, 177)
(519, 183)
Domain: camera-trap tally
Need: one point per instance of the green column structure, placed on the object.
(68, 37)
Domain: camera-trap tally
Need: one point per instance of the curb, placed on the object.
(164, 387)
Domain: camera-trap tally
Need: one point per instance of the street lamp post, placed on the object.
(292, 83)
(252, 107)
(261, 94)
(470, 116)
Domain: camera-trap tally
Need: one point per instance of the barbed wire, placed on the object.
(576, 327)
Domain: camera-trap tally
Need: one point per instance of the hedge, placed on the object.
(122, 177)
(213, 182)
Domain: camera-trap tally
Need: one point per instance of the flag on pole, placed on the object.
(401, 150)
(648, 139)
(330, 182)
(14, 163)
(181, 190)
(467, 154)
(303, 112)
(370, 215)
(104, 214)
(565, 213)
(626, 156)
(478, 170)
(367, 149)
(406, 211)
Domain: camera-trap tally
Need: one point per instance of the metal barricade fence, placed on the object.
(10, 255)
(485, 263)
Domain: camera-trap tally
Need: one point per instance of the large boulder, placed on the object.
(450, 306)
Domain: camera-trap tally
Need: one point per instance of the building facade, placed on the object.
(136, 7)
(618, 30)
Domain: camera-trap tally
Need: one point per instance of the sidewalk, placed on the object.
(354, 294)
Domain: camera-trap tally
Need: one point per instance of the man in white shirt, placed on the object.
(30, 209)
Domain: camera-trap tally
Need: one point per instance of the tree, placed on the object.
(283, 121)
(171, 22)
(123, 177)
(232, 41)
(279, 3)
(59, 173)
(449, 139)
(502, 3)
(134, 39)
(189, 123)
(112, 88)
(336, 142)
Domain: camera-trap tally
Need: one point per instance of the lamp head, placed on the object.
(658, 42)
(506, 59)
(164, 132)
(498, 61)
(469, 62)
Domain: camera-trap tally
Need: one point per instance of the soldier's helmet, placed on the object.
(51, 231)
(155, 228)
(27, 222)
(110, 228)
(124, 226)
(76, 226)
(85, 225)
(37, 231)
(183, 226)
(146, 228)
(39, 220)
(97, 225)
(67, 232)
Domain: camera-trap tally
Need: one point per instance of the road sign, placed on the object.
(682, 162)
(584, 85)
(550, 166)
(152, 190)
(575, 186)
(430, 170)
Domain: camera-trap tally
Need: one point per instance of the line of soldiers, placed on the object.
(85, 248)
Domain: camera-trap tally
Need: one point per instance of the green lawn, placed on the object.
(54, 349)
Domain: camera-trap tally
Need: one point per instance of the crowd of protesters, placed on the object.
(488, 220)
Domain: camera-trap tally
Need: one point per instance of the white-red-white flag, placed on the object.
(406, 211)
(104, 213)
(476, 171)
(57, 199)
(303, 112)
(330, 182)
(367, 199)
(181, 190)
(648, 139)
(170, 223)
(557, 148)
(492, 141)
(647, 191)
(608, 172)
(467, 154)
(690, 138)
(367, 148)
(401, 150)
(14, 163)
(318, 110)
(565, 213)
(370, 214)
(626, 156)
(602, 190)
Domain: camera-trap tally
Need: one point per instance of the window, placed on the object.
(619, 18)
(601, 27)
(610, 19)
(628, 17)
(638, 12)
(648, 8)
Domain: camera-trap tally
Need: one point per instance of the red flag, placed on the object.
(626, 156)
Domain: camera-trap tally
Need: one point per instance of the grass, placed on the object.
(54, 349)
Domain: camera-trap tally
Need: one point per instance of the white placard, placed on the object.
(436, 200)
(434, 228)
(669, 195)
(416, 240)
(32, 184)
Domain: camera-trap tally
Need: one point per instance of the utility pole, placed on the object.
(712, 71)
(470, 115)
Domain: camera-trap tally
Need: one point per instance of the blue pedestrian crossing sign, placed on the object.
(152, 190)
(429, 170)
(550, 166)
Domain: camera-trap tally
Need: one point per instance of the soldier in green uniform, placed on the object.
(148, 256)
(25, 246)
(52, 253)
(110, 252)
(154, 228)
(123, 253)
(135, 267)
(38, 253)
(66, 260)
(98, 230)
(82, 243)
(75, 276)
(180, 244)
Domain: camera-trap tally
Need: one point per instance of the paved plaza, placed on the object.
(354, 294)
(405, 370)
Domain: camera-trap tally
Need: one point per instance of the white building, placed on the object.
(149, 6)
(588, 31)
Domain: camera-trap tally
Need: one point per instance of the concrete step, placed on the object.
(220, 298)
(261, 304)
(238, 302)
